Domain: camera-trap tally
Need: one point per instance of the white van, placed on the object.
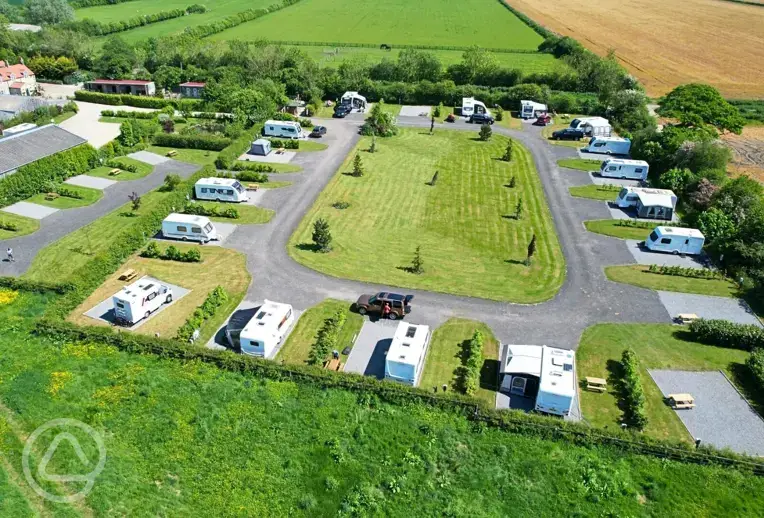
(283, 129)
(188, 227)
(220, 189)
(531, 109)
(608, 146)
(470, 107)
(139, 300)
(627, 169)
(676, 240)
(267, 329)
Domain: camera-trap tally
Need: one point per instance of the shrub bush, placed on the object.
(755, 364)
(326, 339)
(228, 157)
(122, 165)
(633, 394)
(211, 211)
(306, 123)
(681, 271)
(139, 101)
(207, 310)
(257, 168)
(128, 114)
(286, 144)
(723, 333)
(192, 141)
(341, 205)
(468, 375)
(152, 251)
(7, 225)
(68, 193)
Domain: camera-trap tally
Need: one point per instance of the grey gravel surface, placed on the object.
(30, 210)
(92, 182)
(645, 256)
(706, 306)
(370, 348)
(721, 417)
(148, 157)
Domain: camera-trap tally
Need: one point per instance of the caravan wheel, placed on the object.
(168, 299)
(184, 238)
(147, 315)
(675, 252)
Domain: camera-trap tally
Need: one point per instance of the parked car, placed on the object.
(568, 134)
(543, 120)
(480, 118)
(341, 110)
(399, 305)
(318, 131)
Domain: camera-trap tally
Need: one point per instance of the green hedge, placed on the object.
(326, 339)
(93, 27)
(211, 211)
(139, 101)
(124, 114)
(286, 144)
(723, 333)
(755, 364)
(14, 283)
(469, 373)
(172, 253)
(207, 310)
(540, 29)
(202, 31)
(206, 142)
(633, 393)
(78, 4)
(228, 157)
(34, 178)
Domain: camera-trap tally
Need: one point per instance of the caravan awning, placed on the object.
(521, 359)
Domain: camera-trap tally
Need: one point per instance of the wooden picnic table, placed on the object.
(686, 318)
(681, 401)
(333, 365)
(596, 384)
(128, 275)
(52, 196)
(115, 172)
(172, 153)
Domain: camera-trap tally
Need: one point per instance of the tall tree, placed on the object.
(48, 12)
(117, 59)
(322, 237)
(702, 101)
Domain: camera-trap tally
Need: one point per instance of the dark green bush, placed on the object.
(122, 165)
(207, 310)
(681, 271)
(152, 251)
(139, 101)
(326, 339)
(633, 394)
(192, 141)
(211, 211)
(68, 193)
(228, 157)
(14, 283)
(172, 253)
(286, 144)
(124, 114)
(723, 333)
(93, 27)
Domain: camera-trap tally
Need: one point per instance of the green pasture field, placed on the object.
(639, 275)
(184, 438)
(24, 225)
(471, 243)
(426, 22)
(89, 196)
(595, 192)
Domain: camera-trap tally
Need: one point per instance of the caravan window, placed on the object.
(612, 167)
(600, 144)
(182, 229)
(638, 170)
(208, 227)
(229, 192)
(120, 305)
(238, 187)
(653, 236)
(196, 230)
(666, 241)
(204, 189)
(151, 296)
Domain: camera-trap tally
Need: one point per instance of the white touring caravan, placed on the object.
(188, 227)
(648, 203)
(470, 107)
(283, 129)
(623, 168)
(676, 240)
(531, 109)
(356, 101)
(557, 387)
(405, 358)
(593, 126)
(139, 300)
(608, 146)
(266, 329)
(220, 189)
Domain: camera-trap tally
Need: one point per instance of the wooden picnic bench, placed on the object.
(596, 384)
(128, 275)
(681, 401)
(172, 153)
(280, 151)
(115, 172)
(52, 196)
(686, 318)
(333, 365)
(253, 186)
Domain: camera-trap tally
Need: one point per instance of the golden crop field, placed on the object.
(667, 42)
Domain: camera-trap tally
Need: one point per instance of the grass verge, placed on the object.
(580, 164)
(596, 192)
(191, 156)
(248, 214)
(24, 225)
(311, 145)
(89, 196)
(639, 275)
(610, 227)
(144, 169)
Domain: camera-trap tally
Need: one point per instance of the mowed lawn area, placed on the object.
(617, 228)
(580, 164)
(248, 214)
(88, 197)
(143, 169)
(640, 275)
(426, 22)
(596, 192)
(19, 225)
(658, 346)
(471, 243)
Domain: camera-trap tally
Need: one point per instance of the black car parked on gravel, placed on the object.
(568, 134)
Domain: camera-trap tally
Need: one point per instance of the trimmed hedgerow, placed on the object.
(198, 209)
(210, 143)
(469, 373)
(286, 144)
(207, 310)
(228, 156)
(633, 393)
(139, 101)
(14, 283)
(93, 27)
(124, 114)
(723, 333)
(172, 253)
(326, 339)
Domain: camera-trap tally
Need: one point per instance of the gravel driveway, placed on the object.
(30, 210)
(706, 306)
(370, 348)
(644, 256)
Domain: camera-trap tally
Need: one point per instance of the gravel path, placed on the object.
(30, 210)
(86, 125)
(706, 306)
(645, 256)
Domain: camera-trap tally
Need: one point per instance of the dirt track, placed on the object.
(667, 42)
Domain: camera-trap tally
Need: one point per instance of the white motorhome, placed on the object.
(648, 203)
(266, 329)
(220, 189)
(557, 387)
(139, 300)
(531, 109)
(470, 106)
(188, 227)
(356, 101)
(676, 240)
(283, 129)
(626, 169)
(608, 146)
(404, 362)
(593, 126)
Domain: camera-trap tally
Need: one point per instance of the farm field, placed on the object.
(471, 243)
(189, 439)
(426, 22)
(666, 43)
(639, 275)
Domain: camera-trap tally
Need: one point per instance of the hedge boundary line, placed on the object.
(17, 284)
(139, 101)
(497, 50)
(93, 27)
(227, 157)
(78, 4)
(540, 29)
(203, 31)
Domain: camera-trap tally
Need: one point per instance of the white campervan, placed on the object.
(676, 240)
(283, 129)
(188, 227)
(608, 145)
(139, 300)
(531, 109)
(623, 168)
(592, 126)
(267, 329)
(220, 189)
(405, 357)
(557, 386)
(470, 107)
(354, 100)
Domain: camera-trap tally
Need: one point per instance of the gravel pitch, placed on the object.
(706, 306)
(368, 354)
(644, 256)
(30, 210)
(149, 157)
(721, 417)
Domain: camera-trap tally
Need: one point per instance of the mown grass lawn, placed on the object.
(444, 358)
(144, 169)
(272, 185)
(610, 227)
(658, 346)
(248, 214)
(639, 275)
(298, 345)
(89, 196)
(185, 438)
(191, 156)
(219, 266)
(470, 242)
(311, 145)
(596, 192)
(580, 164)
(23, 225)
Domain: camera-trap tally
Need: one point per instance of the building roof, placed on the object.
(409, 343)
(17, 85)
(625, 161)
(12, 105)
(126, 82)
(558, 374)
(522, 359)
(194, 84)
(13, 72)
(679, 231)
(30, 146)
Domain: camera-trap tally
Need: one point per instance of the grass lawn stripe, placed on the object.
(581, 164)
(610, 227)
(639, 275)
(144, 169)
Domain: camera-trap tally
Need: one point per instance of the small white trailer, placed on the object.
(188, 227)
(356, 101)
(647, 202)
(139, 300)
(608, 146)
(593, 126)
(531, 109)
(283, 129)
(676, 240)
(220, 189)
(625, 169)
(471, 106)
(404, 362)
(265, 331)
(557, 387)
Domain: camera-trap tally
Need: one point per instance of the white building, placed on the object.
(266, 330)
(405, 358)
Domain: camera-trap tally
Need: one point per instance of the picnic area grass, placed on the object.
(58, 119)
(444, 359)
(272, 185)
(471, 243)
(219, 266)
(596, 192)
(658, 346)
(144, 169)
(176, 432)
(191, 156)
(639, 275)
(59, 260)
(248, 214)
(610, 227)
(23, 225)
(581, 164)
(89, 196)
(298, 345)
